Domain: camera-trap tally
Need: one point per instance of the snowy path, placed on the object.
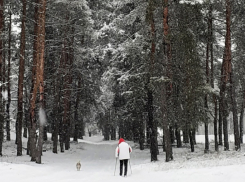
(98, 164)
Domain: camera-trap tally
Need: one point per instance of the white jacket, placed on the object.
(123, 151)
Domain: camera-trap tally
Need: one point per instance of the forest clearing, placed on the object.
(76, 76)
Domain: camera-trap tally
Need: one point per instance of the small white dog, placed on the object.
(78, 166)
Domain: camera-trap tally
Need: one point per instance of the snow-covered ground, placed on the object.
(98, 164)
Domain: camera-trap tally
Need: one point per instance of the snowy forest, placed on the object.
(149, 71)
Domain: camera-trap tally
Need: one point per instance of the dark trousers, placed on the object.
(125, 163)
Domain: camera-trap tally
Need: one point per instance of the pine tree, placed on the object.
(167, 86)
(1, 62)
(8, 74)
(225, 72)
(41, 58)
(21, 81)
(152, 126)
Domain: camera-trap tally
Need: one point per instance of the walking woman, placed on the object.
(123, 151)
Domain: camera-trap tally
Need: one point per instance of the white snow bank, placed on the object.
(98, 164)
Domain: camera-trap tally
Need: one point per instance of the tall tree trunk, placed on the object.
(212, 78)
(41, 51)
(55, 135)
(152, 128)
(66, 117)
(107, 127)
(231, 76)
(76, 112)
(172, 135)
(113, 132)
(206, 138)
(168, 90)
(220, 129)
(234, 111)
(56, 113)
(194, 136)
(191, 134)
(215, 124)
(69, 84)
(34, 86)
(61, 122)
(141, 132)
(4, 77)
(186, 134)
(207, 79)
(206, 127)
(178, 136)
(211, 45)
(167, 139)
(1, 62)
(241, 118)
(67, 61)
(21, 80)
(225, 72)
(26, 121)
(67, 108)
(224, 117)
(26, 114)
(8, 78)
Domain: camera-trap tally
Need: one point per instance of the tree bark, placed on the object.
(206, 138)
(234, 111)
(3, 77)
(35, 84)
(191, 140)
(206, 127)
(220, 129)
(141, 132)
(212, 79)
(1, 62)
(8, 79)
(152, 128)
(21, 80)
(167, 91)
(68, 62)
(224, 117)
(69, 84)
(26, 114)
(76, 112)
(241, 119)
(225, 72)
(166, 133)
(178, 136)
(215, 124)
(56, 113)
(61, 122)
(207, 80)
(41, 51)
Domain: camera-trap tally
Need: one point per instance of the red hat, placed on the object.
(121, 140)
